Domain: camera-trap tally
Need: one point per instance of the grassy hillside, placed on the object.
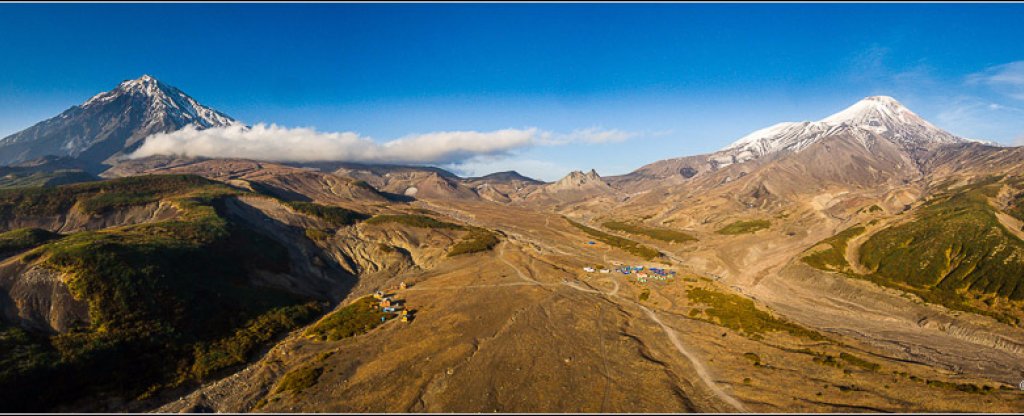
(954, 252)
(353, 319)
(655, 233)
(169, 302)
(741, 315)
(476, 240)
(335, 216)
(629, 246)
(22, 239)
(955, 245)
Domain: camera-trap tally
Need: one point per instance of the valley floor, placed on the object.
(523, 329)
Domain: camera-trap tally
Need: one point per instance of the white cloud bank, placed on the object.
(277, 143)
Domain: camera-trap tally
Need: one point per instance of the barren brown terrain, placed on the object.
(524, 328)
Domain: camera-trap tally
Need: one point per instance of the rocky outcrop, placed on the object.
(38, 298)
(579, 181)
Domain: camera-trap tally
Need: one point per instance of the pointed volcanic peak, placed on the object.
(886, 116)
(111, 123)
(878, 116)
(579, 181)
(165, 100)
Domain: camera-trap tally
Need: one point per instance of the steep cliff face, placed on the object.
(38, 298)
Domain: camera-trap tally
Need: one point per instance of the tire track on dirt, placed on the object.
(698, 366)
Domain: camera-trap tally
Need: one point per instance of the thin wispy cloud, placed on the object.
(1006, 79)
(277, 143)
(978, 118)
(589, 135)
(868, 64)
(879, 71)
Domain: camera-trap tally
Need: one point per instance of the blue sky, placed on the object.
(670, 79)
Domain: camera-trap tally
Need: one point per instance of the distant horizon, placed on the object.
(609, 87)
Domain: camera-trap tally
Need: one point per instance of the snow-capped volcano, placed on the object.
(111, 123)
(165, 100)
(873, 116)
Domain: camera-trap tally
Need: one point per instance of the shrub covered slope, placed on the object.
(170, 302)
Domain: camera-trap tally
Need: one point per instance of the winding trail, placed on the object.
(698, 366)
(501, 256)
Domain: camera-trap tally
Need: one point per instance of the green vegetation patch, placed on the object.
(413, 220)
(655, 233)
(335, 216)
(645, 294)
(24, 238)
(356, 318)
(629, 246)
(476, 240)
(317, 234)
(954, 245)
(299, 379)
(741, 315)
(858, 362)
(237, 349)
(834, 258)
(744, 227)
